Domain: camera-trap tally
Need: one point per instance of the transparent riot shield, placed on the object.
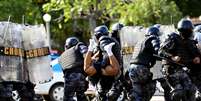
(36, 46)
(129, 36)
(11, 53)
(165, 30)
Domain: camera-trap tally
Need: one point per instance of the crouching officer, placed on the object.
(143, 87)
(104, 65)
(72, 60)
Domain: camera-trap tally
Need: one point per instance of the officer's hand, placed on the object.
(165, 71)
(186, 69)
(108, 48)
(96, 55)
(176, 58)
(196, 60)
(92, 45)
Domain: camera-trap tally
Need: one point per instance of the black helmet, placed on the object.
(103, 41)
(100, 31)
(184, 24)
(152, 31)
(117, 26)
(197, 28)
(157, 26)
(185, 27)
(70, 42)
(173, 36)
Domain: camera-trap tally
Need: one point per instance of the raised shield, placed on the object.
(129, 36)
(36, 46)
(11, 53)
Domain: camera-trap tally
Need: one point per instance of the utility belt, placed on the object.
(19, 52)
(74, 70)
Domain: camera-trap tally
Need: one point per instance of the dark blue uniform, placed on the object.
(142, 60)
(179, 80)
(75, 78)
(6, 91)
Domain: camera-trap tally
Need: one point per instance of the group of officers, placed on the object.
(101, 64)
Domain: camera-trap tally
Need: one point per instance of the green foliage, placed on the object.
(138, 12)
(77, 14)
(189, 7)
(148, 12)
(79, 17)
(17, 8)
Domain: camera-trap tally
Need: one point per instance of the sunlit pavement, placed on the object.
(157, 98)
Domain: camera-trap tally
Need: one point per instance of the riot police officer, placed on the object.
(104, 65)
(143, 87)
(181, 49)
(72, 61)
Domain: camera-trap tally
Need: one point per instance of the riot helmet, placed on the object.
(152, 31)
(173, 35)
(115, 31)
(157, 26)
(100, 31)
(197, 28)
(70, 42)
(185, 27)
(103, 41)
(117, 26)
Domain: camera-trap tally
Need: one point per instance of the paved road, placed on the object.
(157, 74)
(157, 98)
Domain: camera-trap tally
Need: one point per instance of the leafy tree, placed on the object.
(189, 7)
(80, 17)
(16, 9)
(148, 12)
(134, 12)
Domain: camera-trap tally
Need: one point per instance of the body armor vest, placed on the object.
(71, 58)
(143, 53)
(186, 49)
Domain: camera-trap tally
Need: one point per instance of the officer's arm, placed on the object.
(195, 52)
(165, 48)
(194, 49)
(88, 67)
(88, 63)
(156, 45)
(112, 69)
